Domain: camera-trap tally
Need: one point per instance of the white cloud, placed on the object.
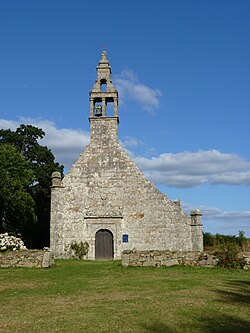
(9, 124)
(130, 142)
(189, 169)
(213, 213)
(130, 87)
(224, 222)
(216, 220)
(66, 144)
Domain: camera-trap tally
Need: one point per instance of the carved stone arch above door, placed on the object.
(113, 225)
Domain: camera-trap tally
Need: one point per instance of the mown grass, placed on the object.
(90, 296)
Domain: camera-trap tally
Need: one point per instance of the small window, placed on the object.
(125, 238)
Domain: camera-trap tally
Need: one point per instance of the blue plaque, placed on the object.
(125, 238)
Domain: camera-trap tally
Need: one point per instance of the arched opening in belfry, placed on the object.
(104, 245)
(98, 108)
(109, 107)
(103, 83)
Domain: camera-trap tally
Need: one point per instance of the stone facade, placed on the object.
(107, 201)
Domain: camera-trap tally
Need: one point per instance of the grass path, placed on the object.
(89, 296)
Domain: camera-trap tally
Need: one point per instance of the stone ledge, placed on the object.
(27, 258)
(158, 258)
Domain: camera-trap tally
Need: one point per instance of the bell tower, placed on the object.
(103, 96)
(103, 91)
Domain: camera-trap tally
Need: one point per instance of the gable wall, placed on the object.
(105, 190)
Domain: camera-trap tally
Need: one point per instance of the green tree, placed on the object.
(208, 239)
(17, 207)
(41, 161)
(241, 238)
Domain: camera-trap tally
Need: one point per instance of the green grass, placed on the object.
(90, 296)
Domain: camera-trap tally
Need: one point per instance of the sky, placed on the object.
(182, 70)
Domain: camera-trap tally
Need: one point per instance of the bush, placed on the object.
(11, 243)
(229, 257)
(80, 249)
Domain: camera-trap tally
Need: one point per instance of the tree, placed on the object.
(242, 240)
(17, 207)
(42, 163)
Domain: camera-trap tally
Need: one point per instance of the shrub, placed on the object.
(80, 249)
(229, 257)
(11, 243)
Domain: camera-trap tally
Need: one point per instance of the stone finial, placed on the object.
(104, 55)
(104, 63)
(195, 212)
(56, 179)
(196, 217)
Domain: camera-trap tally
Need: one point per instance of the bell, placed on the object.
(98, 111)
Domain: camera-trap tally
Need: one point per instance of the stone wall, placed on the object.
(169, 258)
(26, 258)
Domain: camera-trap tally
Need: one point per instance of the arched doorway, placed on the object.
(104, 244)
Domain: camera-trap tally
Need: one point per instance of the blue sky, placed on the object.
(182, 70)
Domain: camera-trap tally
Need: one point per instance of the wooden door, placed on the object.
(104, 245)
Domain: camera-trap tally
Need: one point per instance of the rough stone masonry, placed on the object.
(106, 200)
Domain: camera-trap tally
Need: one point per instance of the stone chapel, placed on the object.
(106, 200)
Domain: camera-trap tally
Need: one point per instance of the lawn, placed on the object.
(90, 296)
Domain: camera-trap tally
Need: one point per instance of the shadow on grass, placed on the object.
(238, 292)
(235, 292)
(215, 324)
(224, 324)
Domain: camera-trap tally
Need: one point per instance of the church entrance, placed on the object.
(104, 244)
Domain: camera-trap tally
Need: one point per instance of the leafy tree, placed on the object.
(208, 239)
(241, 238)
(42, 163)
(17, 207)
